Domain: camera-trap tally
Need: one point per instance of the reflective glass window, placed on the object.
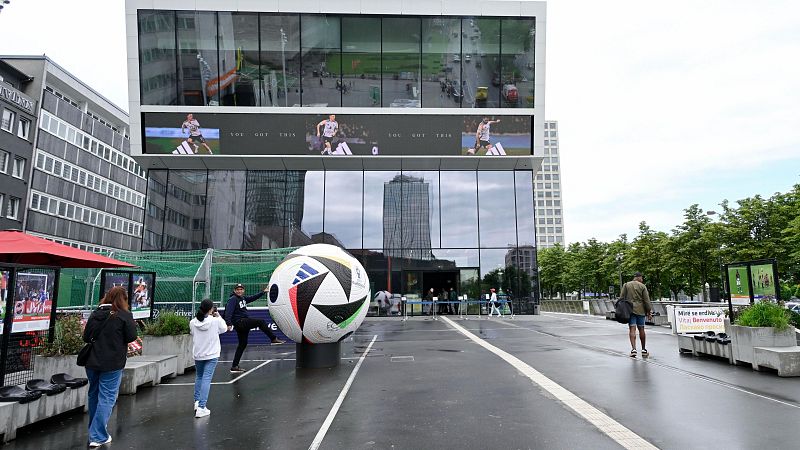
(496, 213)
(523, 188)
(238, 59)
(420, 204)
(309, 202)
(401, 62)
(224, 219)
(459, 209)
(517, 62)
(361, 61)
(382, 209)
(343, 205)
(480, 44)
(322, 62)
(186, 193)
(265, 210)
(157, 58)
(441, 63)
(198, 70)
(154, 219)
(280, 60)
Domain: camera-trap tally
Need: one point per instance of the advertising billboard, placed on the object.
(208, 134)
(763, 281)
(33, 301)
(739, 287)
(140, 287)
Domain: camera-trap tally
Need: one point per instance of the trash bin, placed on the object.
(535, 309)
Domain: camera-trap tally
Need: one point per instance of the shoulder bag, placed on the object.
(83, 354)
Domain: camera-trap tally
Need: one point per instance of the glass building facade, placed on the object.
(418, 215)
(197, 58)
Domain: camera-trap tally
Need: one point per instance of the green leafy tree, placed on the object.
(552, 270)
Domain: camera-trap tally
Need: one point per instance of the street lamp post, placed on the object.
(283, 58)
(619, 266)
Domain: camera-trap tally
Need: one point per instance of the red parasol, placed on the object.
(17, 247)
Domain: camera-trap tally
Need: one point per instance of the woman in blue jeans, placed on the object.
(111, 326)
(205, 328)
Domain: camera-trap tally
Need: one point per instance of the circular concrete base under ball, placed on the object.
(318, 356)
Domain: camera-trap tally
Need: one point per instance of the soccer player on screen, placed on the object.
(482, 136)
(195, 136)
(328, 133)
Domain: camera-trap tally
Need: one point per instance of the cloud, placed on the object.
(651, 99)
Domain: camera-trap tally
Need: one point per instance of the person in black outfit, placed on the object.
(112, 327)
(238, 319)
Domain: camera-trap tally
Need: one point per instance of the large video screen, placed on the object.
(184, 134)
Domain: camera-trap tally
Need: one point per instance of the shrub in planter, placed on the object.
(764, 314)
(169, 335)
(67, 337)
(168, 323)
(794, 319)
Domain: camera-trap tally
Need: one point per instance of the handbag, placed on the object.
(623, 310)
(83, 354)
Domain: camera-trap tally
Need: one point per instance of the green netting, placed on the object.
(181, 276)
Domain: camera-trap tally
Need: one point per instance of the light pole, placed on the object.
(283, 58)
(619, 266)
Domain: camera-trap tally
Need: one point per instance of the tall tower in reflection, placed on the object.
(406, 218)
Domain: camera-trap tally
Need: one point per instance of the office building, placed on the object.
(549, 203)
(16, 145)
(408, 133)
(83, 187)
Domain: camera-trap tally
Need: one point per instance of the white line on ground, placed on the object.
(225, 382)
(338, 403)
(608, 426)
(665, 366)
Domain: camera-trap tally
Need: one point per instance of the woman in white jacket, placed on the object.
(205, 328)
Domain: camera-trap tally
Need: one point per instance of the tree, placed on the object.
(552, 270)
(696, 244)
(646, 256)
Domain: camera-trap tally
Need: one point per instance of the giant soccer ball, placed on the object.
(319, 294)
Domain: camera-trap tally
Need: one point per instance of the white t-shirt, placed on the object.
(205, 337)
(330, 128)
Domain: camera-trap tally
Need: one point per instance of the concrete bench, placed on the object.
(786, 360)
(138, 373)
(687, 343)
(167, 364)
(45, 407)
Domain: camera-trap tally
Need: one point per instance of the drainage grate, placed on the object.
(402, 359)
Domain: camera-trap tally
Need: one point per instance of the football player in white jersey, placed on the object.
(482, 136)
(328, 133)
(195, 136)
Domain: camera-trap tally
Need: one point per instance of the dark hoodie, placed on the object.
(236, 308)
(110, 348)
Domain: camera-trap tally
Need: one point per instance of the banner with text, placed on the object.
(699, 320)
(404, 134)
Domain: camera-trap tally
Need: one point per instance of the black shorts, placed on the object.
(199, 139)
(484, 144)
(328, 139)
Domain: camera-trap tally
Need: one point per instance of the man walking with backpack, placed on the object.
(636, 292)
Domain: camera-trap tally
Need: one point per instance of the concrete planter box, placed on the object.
(46, 366)
(744, 339)
(180, 345)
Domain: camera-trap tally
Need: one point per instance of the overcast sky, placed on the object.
(660, 104)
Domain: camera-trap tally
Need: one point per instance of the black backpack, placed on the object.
(623, 311)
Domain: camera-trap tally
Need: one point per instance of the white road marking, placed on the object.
(224, 382)
(338, 403)
(608, 426)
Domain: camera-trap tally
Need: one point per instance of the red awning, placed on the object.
(21, 248)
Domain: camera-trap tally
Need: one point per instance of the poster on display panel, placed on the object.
(140, 287)
(33, 299)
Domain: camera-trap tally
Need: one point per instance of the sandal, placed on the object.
(633, 353)
(645, 353)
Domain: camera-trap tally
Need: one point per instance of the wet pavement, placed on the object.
(424, 384)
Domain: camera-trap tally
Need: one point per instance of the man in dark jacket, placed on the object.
(238, 319)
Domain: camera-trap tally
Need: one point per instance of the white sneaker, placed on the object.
(202, 412)
(98, 444)
(196, 405)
